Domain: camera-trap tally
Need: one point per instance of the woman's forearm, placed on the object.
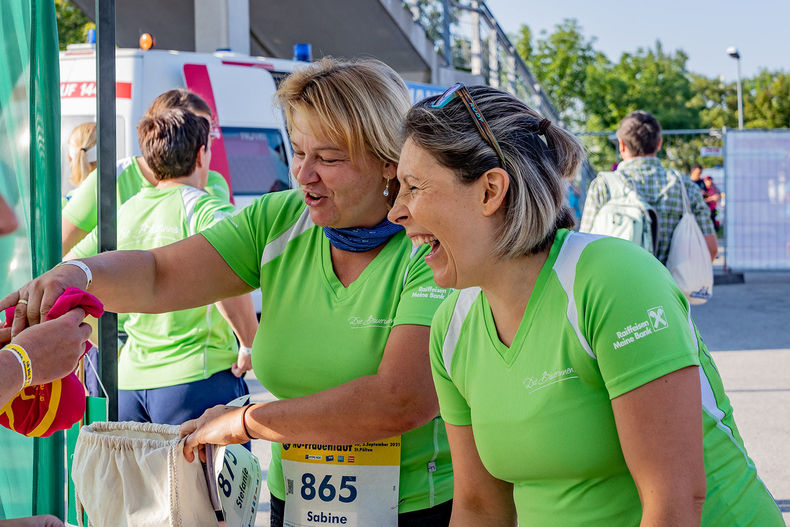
(365, 409)
(10, 377)
(125, 281)
(186, 274)
(680, 509)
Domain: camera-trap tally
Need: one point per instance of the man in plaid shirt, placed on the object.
(639, 140)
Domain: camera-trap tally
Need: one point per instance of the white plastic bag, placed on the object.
(130, 474)
(689, 259)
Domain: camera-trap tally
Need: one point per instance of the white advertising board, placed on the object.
(757, 186)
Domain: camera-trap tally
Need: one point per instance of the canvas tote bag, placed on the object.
(129, 474)
(689, 258)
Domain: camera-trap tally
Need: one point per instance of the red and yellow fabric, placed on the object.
(40, 411)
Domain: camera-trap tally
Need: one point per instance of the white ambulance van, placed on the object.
(253, 152)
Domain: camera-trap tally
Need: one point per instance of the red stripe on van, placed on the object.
(123, 90)
(267, 67)
(198, 80)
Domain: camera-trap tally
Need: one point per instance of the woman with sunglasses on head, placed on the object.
(347, 305)
(575, 388)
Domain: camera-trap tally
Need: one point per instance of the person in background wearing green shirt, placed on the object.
(347, 306)
(574, 384)
(81, 155)
(133, 174)
(176, 365)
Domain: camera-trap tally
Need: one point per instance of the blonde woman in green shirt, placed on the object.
(347, 305)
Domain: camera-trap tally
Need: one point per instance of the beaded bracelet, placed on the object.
(24, 361)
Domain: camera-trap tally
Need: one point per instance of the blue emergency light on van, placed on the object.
(303, 52)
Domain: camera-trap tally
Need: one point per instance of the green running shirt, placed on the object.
(541, 410)
(80, 209)
(316, 334)
(166, 349)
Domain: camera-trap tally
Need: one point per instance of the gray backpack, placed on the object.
(626, 215)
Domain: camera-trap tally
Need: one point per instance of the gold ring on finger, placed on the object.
(22, 301)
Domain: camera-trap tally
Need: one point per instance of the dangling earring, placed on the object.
(387, 189)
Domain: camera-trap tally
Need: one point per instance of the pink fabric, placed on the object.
(30, 406)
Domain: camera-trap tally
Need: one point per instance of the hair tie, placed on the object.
(543, 125)
(90, 154)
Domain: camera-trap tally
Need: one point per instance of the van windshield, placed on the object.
(256, 159)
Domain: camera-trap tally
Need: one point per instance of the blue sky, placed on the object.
(760, 29)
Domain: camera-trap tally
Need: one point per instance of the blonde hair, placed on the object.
(534, 204)
(360, 104)
(82, 139)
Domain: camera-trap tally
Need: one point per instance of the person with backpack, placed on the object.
(642, 200)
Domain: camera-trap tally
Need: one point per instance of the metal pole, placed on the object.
(448, 52)
(511, 71)
(740, 96)
(493, 59)
(105, 119)
(726, 187)
(476, 44)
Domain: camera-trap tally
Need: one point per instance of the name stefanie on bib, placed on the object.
(351, 485)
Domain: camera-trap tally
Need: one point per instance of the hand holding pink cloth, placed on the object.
(40, 411)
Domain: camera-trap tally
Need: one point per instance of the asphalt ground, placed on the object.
(746, 326)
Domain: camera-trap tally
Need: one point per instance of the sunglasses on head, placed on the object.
(460, 91)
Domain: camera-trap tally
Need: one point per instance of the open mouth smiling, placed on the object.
(425, 239)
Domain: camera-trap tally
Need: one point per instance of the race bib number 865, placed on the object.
(352, 485)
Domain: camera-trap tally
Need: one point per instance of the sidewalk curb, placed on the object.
(727, 277)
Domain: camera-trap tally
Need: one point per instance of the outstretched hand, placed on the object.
(220, 425)
(55, 346)
(34, 300)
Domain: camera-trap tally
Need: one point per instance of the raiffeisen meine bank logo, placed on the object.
(656, 321)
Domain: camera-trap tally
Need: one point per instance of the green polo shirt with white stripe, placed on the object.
(316, 334)
(604, 318)
(80, 208)
(166, 349)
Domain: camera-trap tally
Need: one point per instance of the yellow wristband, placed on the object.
(24, 361)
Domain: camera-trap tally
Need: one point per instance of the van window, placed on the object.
(256, 159)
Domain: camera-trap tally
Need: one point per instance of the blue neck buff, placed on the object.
(361, 239)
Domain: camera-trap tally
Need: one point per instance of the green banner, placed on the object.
(32, 478)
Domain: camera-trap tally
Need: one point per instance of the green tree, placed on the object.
(523, 40)
(767, 100)
(560, 61)
(73, 25)
(714, 100)
(649, 80)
